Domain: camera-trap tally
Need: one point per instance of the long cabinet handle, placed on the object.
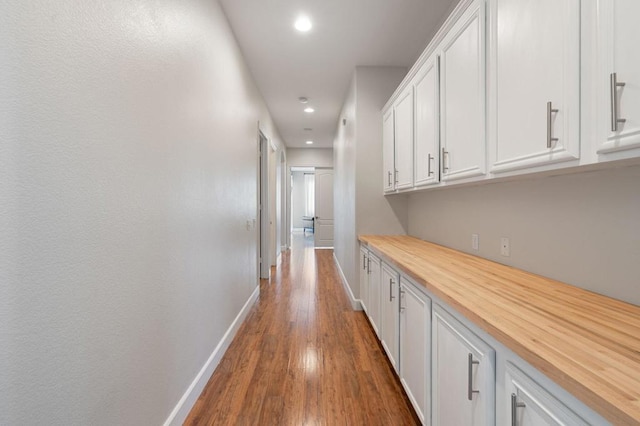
(550, 112)
(389, 178)
(470, 390)
(368, 265)
(514, 409)
(614, 84)
(401, 299)
(444, 160)
(429, 171)
(391, 282)
(364, 262)
(395, 177)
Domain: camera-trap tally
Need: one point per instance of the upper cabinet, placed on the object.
(535, 83)
(403, 125)
(388, 163)
(618, 76)
(426, 165)
(560, 88)
(462, 97)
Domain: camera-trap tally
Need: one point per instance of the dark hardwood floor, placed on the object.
(303, 357)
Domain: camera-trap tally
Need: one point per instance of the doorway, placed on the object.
(312, 204)
(263, 208)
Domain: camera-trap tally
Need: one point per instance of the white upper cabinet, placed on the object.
(535, 83)
(426, 161)
(462, 97)
(618, 77)
(388, 151)
(403, 124)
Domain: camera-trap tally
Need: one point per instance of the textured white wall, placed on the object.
(128, 140)
(360, 207)
(582, 229)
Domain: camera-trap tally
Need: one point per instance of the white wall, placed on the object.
(360, 207)
(128, 154)
(582, 229)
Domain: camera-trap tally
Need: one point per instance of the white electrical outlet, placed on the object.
(505, 249)
(475, 242)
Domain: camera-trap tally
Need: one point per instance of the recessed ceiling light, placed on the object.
(309, 142)
(303, 100)
(303, 23)
(309, 110)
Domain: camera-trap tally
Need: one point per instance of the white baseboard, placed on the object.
(186, 403)
(355, 303)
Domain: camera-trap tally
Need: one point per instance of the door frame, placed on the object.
(263, 258)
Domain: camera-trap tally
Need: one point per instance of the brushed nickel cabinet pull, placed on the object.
(391, 290)
(444, 160)
(389, 178)
(514, 409)
(614, 84)
(470, 390)
(550, 138)
(429, 171)
(401, 299)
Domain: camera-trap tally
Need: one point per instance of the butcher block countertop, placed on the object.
(587, 343)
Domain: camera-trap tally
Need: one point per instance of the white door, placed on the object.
(535, 81)
(389, 310)
(323, 227)
(388, 152)
(462, 97)
(403, 111)
(463, 375)
(619, 33)
(427, 138)
(415, 354)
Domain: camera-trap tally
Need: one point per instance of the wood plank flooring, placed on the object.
(303, 357)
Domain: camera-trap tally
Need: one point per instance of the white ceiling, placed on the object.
(319, 64)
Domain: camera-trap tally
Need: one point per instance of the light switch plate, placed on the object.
(475, 242)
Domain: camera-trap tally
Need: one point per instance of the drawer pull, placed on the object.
(613, 80)
(514, 409)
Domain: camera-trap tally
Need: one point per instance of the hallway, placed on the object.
(303, 356)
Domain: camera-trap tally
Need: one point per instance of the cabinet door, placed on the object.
(535, 83)
(403, 110)
(415, 345)
(462, 97)
(463, 374)
(364, 279)
(373, 310)
(530, 405)
(619, 33)
(426, 163)
(388, 151)
(389, 308)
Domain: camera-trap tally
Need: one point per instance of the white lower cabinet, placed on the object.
(454, 373)
(364, 278)
(373, 309)
(415, 348)
(463, 369)
(526, 403)
(389, 313)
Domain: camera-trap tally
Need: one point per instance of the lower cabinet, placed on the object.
(364, 278)
(463, 369)
(454, 373)
(528, 404)
(389, 313)
(415, 348)
(373, 308)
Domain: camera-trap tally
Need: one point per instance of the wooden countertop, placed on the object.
(587, 343)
